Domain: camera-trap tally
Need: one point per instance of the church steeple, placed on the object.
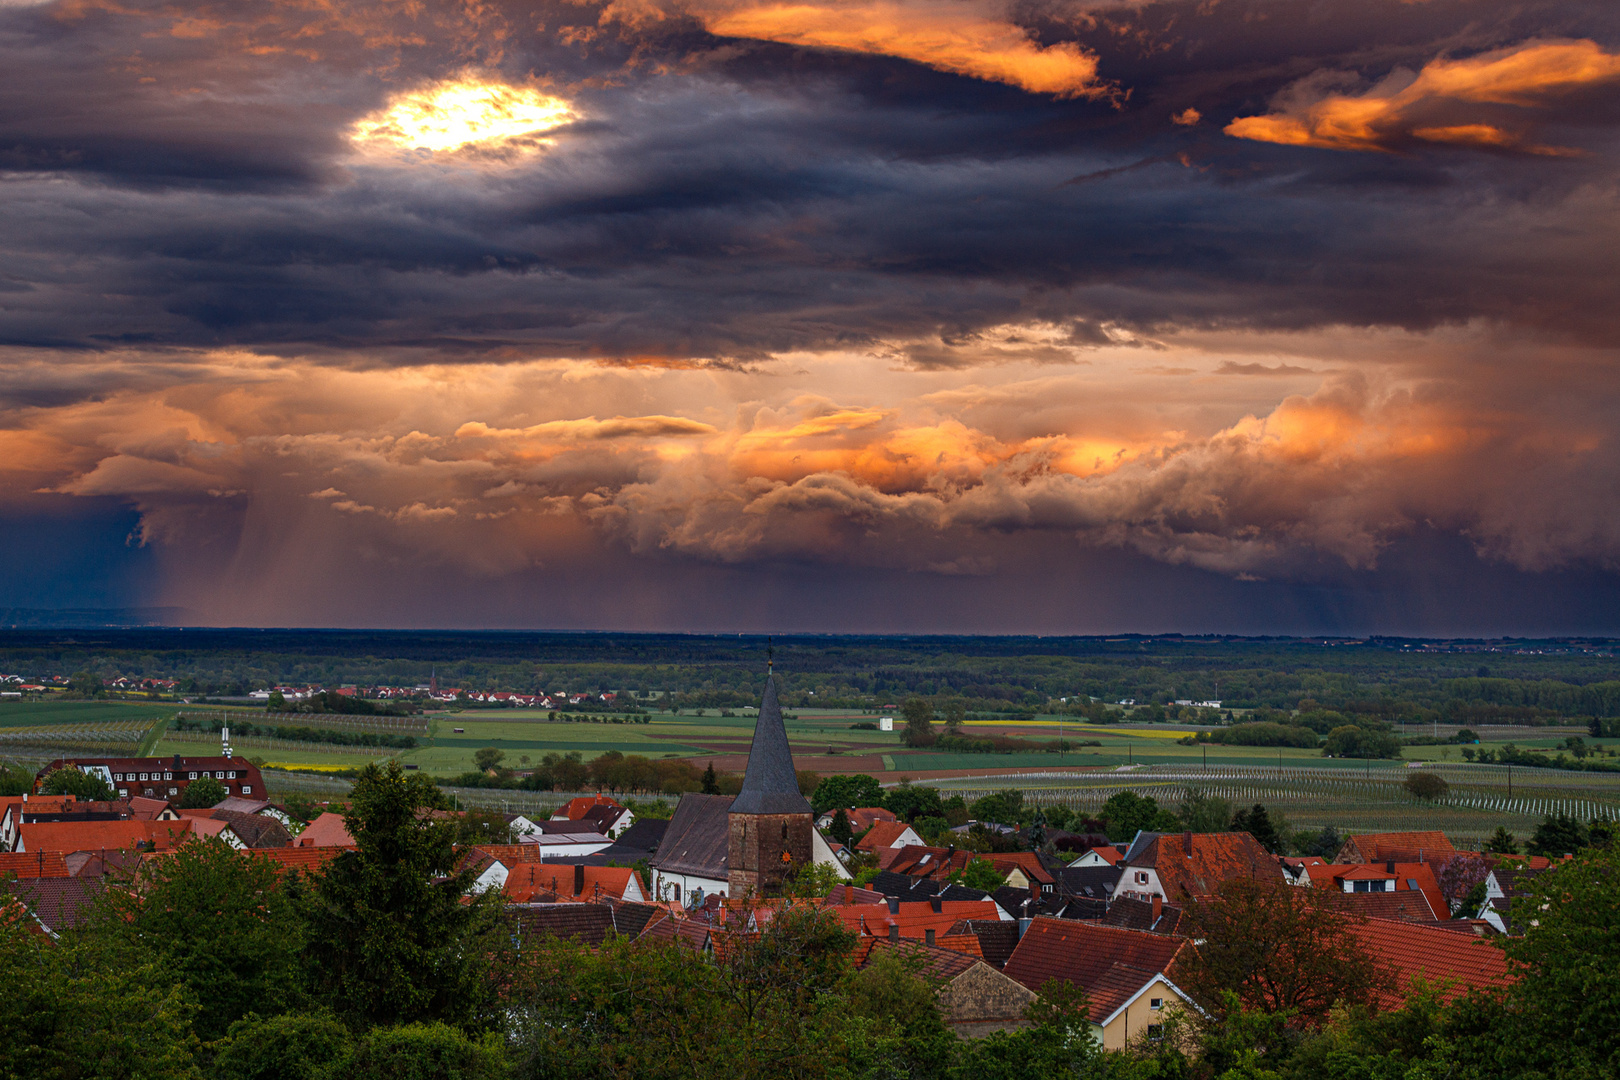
(770, 784)
(770, 821)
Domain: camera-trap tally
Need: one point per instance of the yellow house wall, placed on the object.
(1134, 1021)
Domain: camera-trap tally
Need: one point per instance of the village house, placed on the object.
(1127, 975)
(887, 834)
(973, 997)
(1177, 866)
(1406, 847)
(163, 778)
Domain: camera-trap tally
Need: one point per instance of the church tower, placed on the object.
(770, 823)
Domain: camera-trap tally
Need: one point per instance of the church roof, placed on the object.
(770, 786)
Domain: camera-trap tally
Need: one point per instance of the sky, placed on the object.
(1251, 316)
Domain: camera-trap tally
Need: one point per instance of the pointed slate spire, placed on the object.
(770, 785)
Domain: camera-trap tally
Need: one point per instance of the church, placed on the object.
(747, 844)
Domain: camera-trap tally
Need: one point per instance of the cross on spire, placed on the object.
(770, 655)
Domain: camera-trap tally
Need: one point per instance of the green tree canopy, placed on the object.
(243, 957)
(919, 717)
(84, 786)
(1203, 812)
(1257, 823)
(856, 790)
(1558, 834)
(202, 793)
(393, 935)
(912, 801)
(489, 757)
(1126, 813)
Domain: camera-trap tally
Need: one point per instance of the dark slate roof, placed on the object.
(1091, 882)
(58, 903)
(255, 830)
(631, 918)
(997, 938)
(697, 837)
(640, 840)
(589, 923)
(904, 886)
(1128, 913)
(770, 786)
(962, 892)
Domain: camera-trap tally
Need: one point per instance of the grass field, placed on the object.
(38, 713)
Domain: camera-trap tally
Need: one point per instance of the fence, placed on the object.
(43, 743)
(529, 803)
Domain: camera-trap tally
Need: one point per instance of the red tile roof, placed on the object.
(32, 864)
(1433, 954)
(567, 881)
(310, 858)
(915, 918)
(1407, 905)
(883, 834)
(574, 809)
(1400, 846)
(1109, 964)
(66, 836)
(1326, 875)
(1197, 864)
(850, 894)
(938, 961)
(328, 830)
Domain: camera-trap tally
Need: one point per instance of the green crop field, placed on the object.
(32, 713)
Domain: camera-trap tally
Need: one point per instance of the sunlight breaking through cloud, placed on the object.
(465, 113)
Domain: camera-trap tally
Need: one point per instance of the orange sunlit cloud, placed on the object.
(956, 36)
(1479, 102)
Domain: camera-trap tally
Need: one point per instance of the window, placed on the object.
(174, 791)
(1141, 877)
(219, 776)
(1155, 1003)
(123, 793)
(168, 776)
(247, 789)
(143, 776)
(191, 776)
(1155, 1032)
(117, 777)
(232, 775)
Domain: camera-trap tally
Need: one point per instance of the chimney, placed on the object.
(1186, 843)
(1023, 925)
(936, 904)
(1389, 867)
(928, 936)
(894, 932)
(177, 761)
(894, 905)
(1158, 909)
(579, 878)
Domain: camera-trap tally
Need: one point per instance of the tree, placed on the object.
(953, 713)
(1324, 844)
(1353, 741)
(243, 957)
(1558, 834)
(1502, 842)
(1462, 882)
(811, 881)
(87, 684)
(1127, 813)
(856, 790)
(1277, 947)
(980, 874)
(840, 829)
(1426, 785)
(1003, 807)
(69, 1012)
(908, 802)
(292, 1046)
(488, 758)
(1058, 1042)
(276, 702)
(423, 1052)
(896, 1029)
(83, 786)
(919, 717)
(202, 793)
(711, 786)
(1257, 823)
(394, 935)
(1559, 1019)
(1203, 812)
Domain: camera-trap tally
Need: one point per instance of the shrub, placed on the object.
(294, 1046)
(424, 1052)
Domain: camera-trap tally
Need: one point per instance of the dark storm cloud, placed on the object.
(879, 308)
(797, 199)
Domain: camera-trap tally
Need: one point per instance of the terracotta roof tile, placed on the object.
(1432, 954)
(1400, 846)
(1090, 956)
(1407, 905)
(68, 836)
(1128, 913)
(32, 864)
(58, 903)
(882, 834)
(1197, 864)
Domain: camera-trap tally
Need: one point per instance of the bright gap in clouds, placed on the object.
(465, 113)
